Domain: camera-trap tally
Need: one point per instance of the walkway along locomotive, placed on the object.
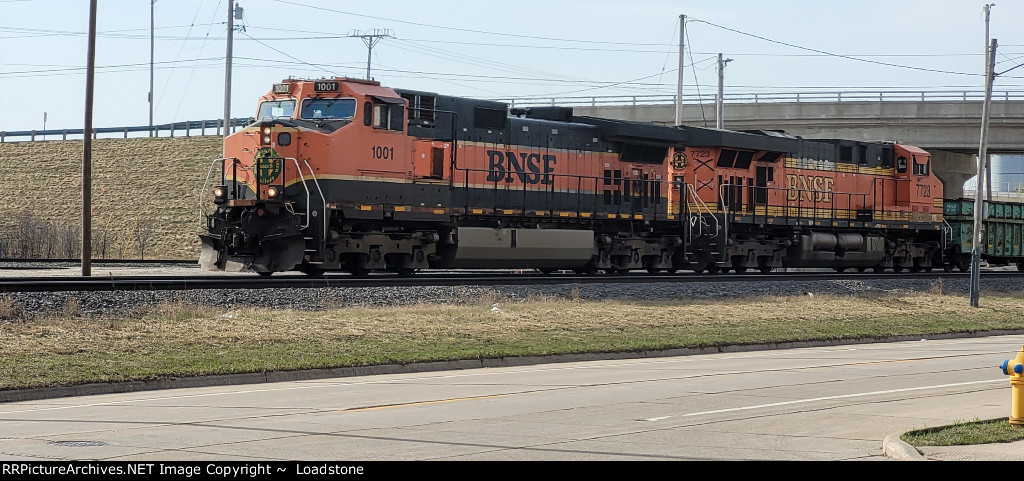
(347, 175)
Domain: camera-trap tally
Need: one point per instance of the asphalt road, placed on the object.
(821, 403)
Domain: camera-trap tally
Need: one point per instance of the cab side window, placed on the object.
(901, 165)
(382, 115)
(920, 168)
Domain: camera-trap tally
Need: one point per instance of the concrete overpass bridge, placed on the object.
(946, 123)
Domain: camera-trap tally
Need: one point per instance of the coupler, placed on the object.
(1015, 369)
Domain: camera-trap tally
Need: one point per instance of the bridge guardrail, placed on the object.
(772, 97)
(579, 101)
(169, 129)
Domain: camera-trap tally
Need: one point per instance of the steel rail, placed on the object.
(28, 260)
(150, 283)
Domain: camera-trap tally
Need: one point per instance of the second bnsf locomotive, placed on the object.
(348, 175)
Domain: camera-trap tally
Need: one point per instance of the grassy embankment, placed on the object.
(139, 185)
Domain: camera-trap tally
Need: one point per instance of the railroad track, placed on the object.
(298, 281)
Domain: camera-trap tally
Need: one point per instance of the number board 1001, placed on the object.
(325, 86)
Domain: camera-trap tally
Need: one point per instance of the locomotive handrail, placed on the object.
(700, 203)
(550, 188)
(318, 189)
(202, 193)
(815, 213)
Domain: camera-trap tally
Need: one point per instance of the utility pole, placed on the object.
(988, 160)
(979, 204)
(90, 75)
(234, 11)
(151, 49)
(679, 72)
(371, 39)
(719, 119)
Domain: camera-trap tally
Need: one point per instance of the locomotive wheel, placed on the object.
(359, 271)
(588, 270)
(311, 270)
(878, 269)
(265, 273)
(839, 269)
(862, 269)
(740, 269)
(714, 269)
(765, 269)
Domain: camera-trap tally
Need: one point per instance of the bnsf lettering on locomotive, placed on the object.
(527, 167)
(809, 187)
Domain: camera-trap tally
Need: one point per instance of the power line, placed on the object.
(848, 57)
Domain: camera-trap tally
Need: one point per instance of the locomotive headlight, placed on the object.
(265, 135)
(272, 192)
(220, 194)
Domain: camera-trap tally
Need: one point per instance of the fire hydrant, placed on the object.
(1015, 369)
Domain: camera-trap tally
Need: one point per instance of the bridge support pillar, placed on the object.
(953, 169)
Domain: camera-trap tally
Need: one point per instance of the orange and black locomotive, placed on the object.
(347, 175)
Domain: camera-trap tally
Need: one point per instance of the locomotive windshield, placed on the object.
(276, 109)
(328, 109)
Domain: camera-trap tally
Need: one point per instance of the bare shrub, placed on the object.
(38, 238)
(575, 295)
(143, 233)
(71, 308)
(10, 310)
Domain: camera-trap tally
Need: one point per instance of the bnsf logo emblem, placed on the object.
(528, 168)
(809, 187)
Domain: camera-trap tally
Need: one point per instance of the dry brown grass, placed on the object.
(181, 339)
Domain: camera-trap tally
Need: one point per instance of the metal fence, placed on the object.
(213, 127)
(773, 97)
(186, 129)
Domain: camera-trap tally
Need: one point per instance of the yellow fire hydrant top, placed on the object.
(1016, 373)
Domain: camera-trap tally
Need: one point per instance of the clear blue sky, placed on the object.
(484, 49)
